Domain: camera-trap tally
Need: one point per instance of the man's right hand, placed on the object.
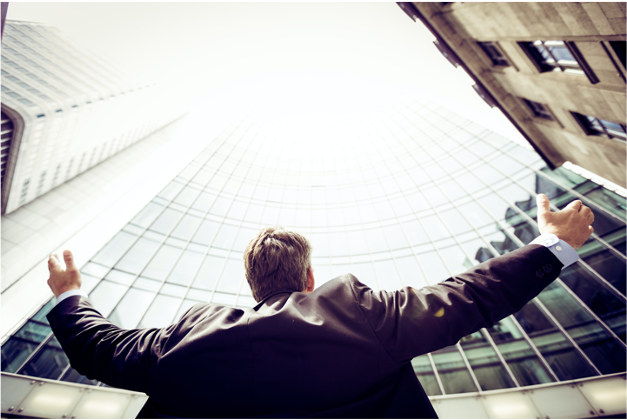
(61, 280)
(572, 225)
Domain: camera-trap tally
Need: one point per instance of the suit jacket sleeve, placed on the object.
(411, 322)
(100, 350)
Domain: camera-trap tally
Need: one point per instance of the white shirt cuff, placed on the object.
(564, 252)
(65, 295)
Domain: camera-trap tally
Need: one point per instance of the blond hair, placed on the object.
(277, 259)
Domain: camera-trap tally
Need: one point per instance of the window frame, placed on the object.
(553, 64)
(539, 110)
(589, 129)
(503, 60)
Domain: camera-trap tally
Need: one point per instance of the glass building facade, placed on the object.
(408, 198)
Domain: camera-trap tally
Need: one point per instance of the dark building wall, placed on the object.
(598, 90)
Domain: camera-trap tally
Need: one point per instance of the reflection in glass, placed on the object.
(453, 372)
(425, 375)
(49, 361)
(484, 362)
(565, 361)
(606, 354)
(518, 354)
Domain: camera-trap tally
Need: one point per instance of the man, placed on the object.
(338, 351)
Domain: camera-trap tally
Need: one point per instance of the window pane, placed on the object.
(166, 221)
(22, 344)
(187, 227)
(106, 295)
(160, 266)
(187, 196)
(49, 361)
(433, 267)
(137, 257)
(209, 273)
(387, 275)
(206, 232)
(425, 375)
(598, 298)
(186, 268)
(518, 354)
(147, 215)
(608, 356)
(452, 371)
(114, 250)
(225, 236)
(339, 243)
(410, 272)
(565, 361)
(483, 360)
(161, 312)
(131, 308)
(231, 276)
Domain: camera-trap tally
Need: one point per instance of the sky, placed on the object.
(330, 54)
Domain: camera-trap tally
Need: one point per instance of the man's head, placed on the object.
(278, 259)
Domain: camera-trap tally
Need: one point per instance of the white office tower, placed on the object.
(64, 110)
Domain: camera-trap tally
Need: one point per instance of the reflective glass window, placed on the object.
(131, 308)
(410, 272)
(49, 361)
(425, 375)
(148, 215)
(186, 267)
(231, 276)
(171, 190)
(161, 312)
(376, 240)
(606, 354)
(435, 228)
(187, 196)
(414, 231)
(225, 236)
(518, 354)
(166, 221)
(432, 265)
(452, 371)
(387, 275)
(565, 361)
(339, 243)
(162, 263)
(484, 362)
(395, 236)
(605, 304)
(187, 227)
(106, 295)
(206, 232)
(113, 251)
(204, 201)
(17, 349)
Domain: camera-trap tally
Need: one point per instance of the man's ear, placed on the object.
(311, 283)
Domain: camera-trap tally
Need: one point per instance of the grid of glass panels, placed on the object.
(406, 199)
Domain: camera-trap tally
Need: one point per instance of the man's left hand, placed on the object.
(61, 280)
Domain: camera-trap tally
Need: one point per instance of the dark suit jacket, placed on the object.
(341, 351)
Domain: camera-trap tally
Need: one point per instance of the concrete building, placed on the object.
(407, 195)
(556, 70)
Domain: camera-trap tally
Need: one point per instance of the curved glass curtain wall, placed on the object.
(405, 199)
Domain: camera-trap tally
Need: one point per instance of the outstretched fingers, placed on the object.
(544, 207)
(69, 260)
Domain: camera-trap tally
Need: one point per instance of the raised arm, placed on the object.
(97, 348)
(411, 322)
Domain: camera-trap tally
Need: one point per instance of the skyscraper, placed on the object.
(64, 110)
(406, 196)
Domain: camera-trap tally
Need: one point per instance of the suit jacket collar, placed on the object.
(266, 298)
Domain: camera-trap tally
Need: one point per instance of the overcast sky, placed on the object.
(336, 48)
